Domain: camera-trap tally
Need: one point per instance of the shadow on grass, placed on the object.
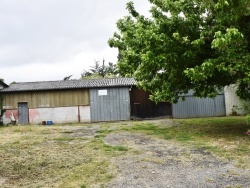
(229, 128)
(226, 127)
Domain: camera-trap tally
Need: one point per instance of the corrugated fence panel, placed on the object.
(199, 107)
(220, 105)
(109, 104)
(206, 107)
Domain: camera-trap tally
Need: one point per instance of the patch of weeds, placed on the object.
(211, 180)
(167, 137)
(83, 186)
(184, 137)
(68, 132)
(16, 142)
(17, 166)
(214, 149)
(243, 149)
(102, 133)
(22, 129)
(234, 186)
(83, 138)
(232, 173)
(201, 135)
(137, 152)
(62, 139)
(164, 133)
(93, 172)
(114, 148)
(99, 136)
(145, 127)
(44, 164)
(242, 163)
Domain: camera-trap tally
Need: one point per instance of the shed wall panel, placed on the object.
(84, 113)
(59, 114)
(112, 106)
(58, 98)
(199, 107)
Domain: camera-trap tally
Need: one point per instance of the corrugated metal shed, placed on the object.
(61, 93)
(69, 84)
(110, 104)
(199, 107)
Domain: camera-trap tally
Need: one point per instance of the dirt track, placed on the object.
(149, 162)
(161, 163)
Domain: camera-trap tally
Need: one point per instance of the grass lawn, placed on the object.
(223, 136)
(76, 156)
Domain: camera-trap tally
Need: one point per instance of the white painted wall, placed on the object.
(232, 99)
(59, 114)
(85, 113)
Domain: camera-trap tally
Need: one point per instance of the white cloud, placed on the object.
(51, 39)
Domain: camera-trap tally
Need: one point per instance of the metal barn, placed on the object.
(68, 100)
(199, 107)
(109, 99)
(109, 104)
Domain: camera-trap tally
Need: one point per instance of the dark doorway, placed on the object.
(143, 107)
(23, 115)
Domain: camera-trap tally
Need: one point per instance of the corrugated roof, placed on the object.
(69, 84)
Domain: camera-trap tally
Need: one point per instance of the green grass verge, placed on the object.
(223, 136)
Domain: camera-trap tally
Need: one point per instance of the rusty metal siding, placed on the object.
(109, 104)
(199, 107)
(57, 98)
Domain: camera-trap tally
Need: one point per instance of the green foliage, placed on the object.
(100, 71)
(83, 186)
(188, 44)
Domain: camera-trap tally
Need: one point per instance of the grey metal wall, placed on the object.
(23, 114)
(199, 107)
(109, 104)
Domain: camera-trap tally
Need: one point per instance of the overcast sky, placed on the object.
(43, 40)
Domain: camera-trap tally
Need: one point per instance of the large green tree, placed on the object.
(202, 45)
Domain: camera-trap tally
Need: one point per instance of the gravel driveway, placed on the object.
(159, 163)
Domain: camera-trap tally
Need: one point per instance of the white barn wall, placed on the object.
(59, 114)
(231, 99)
(84, 113)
